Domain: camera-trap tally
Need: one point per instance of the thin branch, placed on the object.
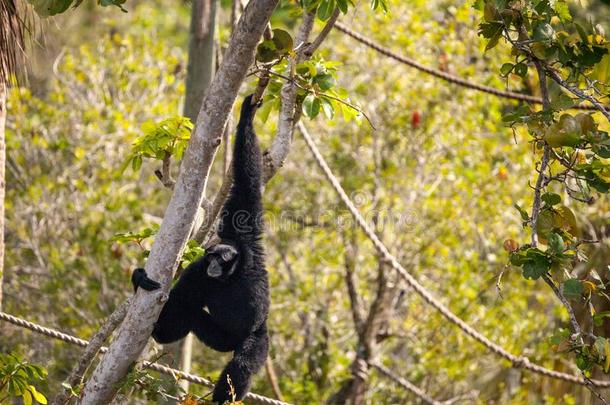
(95, 344)
(164, 175)
(323, 34)
(350, 105)
(263, 80)
(272, 377)
(276, 154)
(351, 252)
(274, 157)
(576, 91)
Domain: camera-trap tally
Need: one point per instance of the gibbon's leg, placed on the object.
(248, 358)
(212, 335)
(175, 320)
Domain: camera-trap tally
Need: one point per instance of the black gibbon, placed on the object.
(223, 297)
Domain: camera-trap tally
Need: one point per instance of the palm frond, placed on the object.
(13, 28)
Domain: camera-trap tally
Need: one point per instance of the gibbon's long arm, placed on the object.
(241, 220)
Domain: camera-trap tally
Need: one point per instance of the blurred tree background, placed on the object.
(438, 176)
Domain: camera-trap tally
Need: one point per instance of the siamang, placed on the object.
(223, 297)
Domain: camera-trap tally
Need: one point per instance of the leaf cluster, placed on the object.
(16, 379)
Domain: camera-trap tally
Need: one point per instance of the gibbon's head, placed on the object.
(221, 260)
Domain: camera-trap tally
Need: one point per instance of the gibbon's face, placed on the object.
(221, 261)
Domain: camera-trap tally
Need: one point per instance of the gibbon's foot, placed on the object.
(139, 278)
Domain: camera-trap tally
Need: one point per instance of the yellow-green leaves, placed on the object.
(160, 140)
(16, 377)
(272, 50)
(46, 8)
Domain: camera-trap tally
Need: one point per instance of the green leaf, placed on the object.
(562, 102)
(556, 245)
(311, 106)
(524, 215)
(506, 69)
(583, 363)
(342, 4)
(551, 199)
(282, 40)
(325, 10)
(521, 69)
(382, 4)
(544, 32)
(267, 52)
(573, 288)
(46, 8)
(27, 398)
(325, 81)
(118, 3)
(136, 163)
(581, 32)
(328, 108)
(534, 269)
(598, 318)
(563, 11)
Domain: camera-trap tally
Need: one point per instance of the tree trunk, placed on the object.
(201, 61)
(3, 93)
(177, 224)
(200, 70)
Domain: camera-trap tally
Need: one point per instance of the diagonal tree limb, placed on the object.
(95, 344)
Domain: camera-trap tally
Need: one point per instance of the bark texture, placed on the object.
(3, 91)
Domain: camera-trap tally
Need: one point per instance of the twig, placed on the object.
(274, 157)
(351, 252)
(576, 91)
(309, 51)
(164, 175)
(272, 377)
(350, 105)
(263, 80)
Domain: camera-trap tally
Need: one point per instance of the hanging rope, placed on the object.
(153, 366)
(444, 75)
(516, 361)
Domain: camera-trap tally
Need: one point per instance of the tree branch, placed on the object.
(95, 344)
(576, 91)
(274, 157)
(277, 153)
(540, 181)
(309, 51)
(164, 175)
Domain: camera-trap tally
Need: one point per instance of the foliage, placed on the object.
(152, 388)
(16, 379)
(161, 140)
(575, 150)
(46, 8)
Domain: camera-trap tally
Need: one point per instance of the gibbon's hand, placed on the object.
(139, 278)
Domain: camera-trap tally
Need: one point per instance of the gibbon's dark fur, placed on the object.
(223, 297)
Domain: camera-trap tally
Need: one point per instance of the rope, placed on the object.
(444, 75)
(154, 366)
(516, 361)
(405, 384)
